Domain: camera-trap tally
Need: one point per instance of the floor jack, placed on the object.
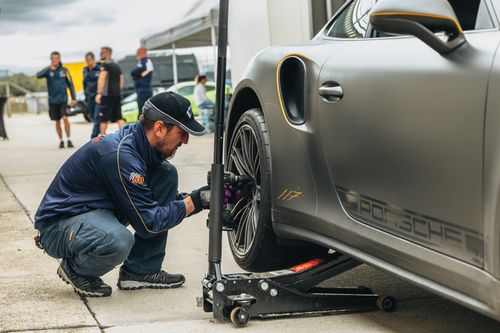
(285, 293)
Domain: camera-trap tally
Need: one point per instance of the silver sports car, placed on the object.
(379, 139)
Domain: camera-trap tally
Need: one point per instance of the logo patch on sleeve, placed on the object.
(136, 178)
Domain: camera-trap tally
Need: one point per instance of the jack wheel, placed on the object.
(239, 316)
(386, 303)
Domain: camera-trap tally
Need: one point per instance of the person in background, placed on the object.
(142, 76)
(205, 105)
(109, 87)
(58, 80)
(90, 77)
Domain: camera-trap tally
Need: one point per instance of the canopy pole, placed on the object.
(329, 10)
(174, 65)
(7, 91)
(214, 48)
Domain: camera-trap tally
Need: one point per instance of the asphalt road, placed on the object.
(32, 298)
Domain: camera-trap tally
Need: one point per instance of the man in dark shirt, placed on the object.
(114, 180)
(109, 87)
(142, 76)
(58, 80)
(90, 77)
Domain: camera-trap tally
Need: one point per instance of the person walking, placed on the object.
(58, 81)
(205, 105)
(143, 76)
(114, 180)
(90, 77)
(109, 87)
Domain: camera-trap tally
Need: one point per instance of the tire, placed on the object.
(85, 112)
(253, 242)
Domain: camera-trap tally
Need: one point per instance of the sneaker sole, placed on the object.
(135, 285)
(80, 292)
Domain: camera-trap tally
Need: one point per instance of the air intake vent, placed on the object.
(292, 85)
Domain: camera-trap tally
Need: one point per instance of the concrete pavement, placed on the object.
(32, 298)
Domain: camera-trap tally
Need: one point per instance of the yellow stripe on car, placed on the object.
(420, 14)
(280, 98)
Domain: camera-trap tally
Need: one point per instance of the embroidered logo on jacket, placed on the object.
(136, 178)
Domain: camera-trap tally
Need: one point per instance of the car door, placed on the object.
(402, 132)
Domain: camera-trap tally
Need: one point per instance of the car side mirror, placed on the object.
(419, 18)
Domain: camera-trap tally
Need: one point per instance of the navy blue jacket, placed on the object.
(111, 172)
(143, 83)
(57, 82)
(90, 77)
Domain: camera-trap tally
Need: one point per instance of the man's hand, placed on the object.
(200, 199)
(98, 98)
(73, 103)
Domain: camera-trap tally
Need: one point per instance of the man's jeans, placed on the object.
(142, 96)
(95, 242)
(94, 114)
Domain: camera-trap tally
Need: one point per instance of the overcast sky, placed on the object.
(31, 29)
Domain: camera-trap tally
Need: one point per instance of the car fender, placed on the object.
(294, 186)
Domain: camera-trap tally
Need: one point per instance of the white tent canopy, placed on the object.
(198, 28)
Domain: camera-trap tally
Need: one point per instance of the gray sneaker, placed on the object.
(129, 280)
(83, 285)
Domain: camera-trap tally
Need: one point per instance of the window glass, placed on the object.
(353, 21)
(185, 91)
(483, 20)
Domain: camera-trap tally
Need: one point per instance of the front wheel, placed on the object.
(253, 242)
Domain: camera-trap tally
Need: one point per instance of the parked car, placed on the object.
(187, 69)
(130, 110)
(186, 89)
(379, 139)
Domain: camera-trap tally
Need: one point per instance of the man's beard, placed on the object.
(171, 156)
(167, 155)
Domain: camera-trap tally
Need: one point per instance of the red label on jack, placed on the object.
(307, 265)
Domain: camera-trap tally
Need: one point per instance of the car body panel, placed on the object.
(413, 162)
(440, 155)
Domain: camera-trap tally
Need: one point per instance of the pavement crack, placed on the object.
(41, 329)
(11, 211)
(26, 211)
(92, 313)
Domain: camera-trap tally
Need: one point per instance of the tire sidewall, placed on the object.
(264, 222)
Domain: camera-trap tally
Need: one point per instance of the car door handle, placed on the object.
(331, 92)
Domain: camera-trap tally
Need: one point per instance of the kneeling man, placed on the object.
(115, 180)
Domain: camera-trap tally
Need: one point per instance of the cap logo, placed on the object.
(136, 178)
(189, 113)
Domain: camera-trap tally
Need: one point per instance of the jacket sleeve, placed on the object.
(125, 180)
(149, 65)
(136, 72)
(85, 82)
(69, 83)
(85, 79)
(43, 73)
